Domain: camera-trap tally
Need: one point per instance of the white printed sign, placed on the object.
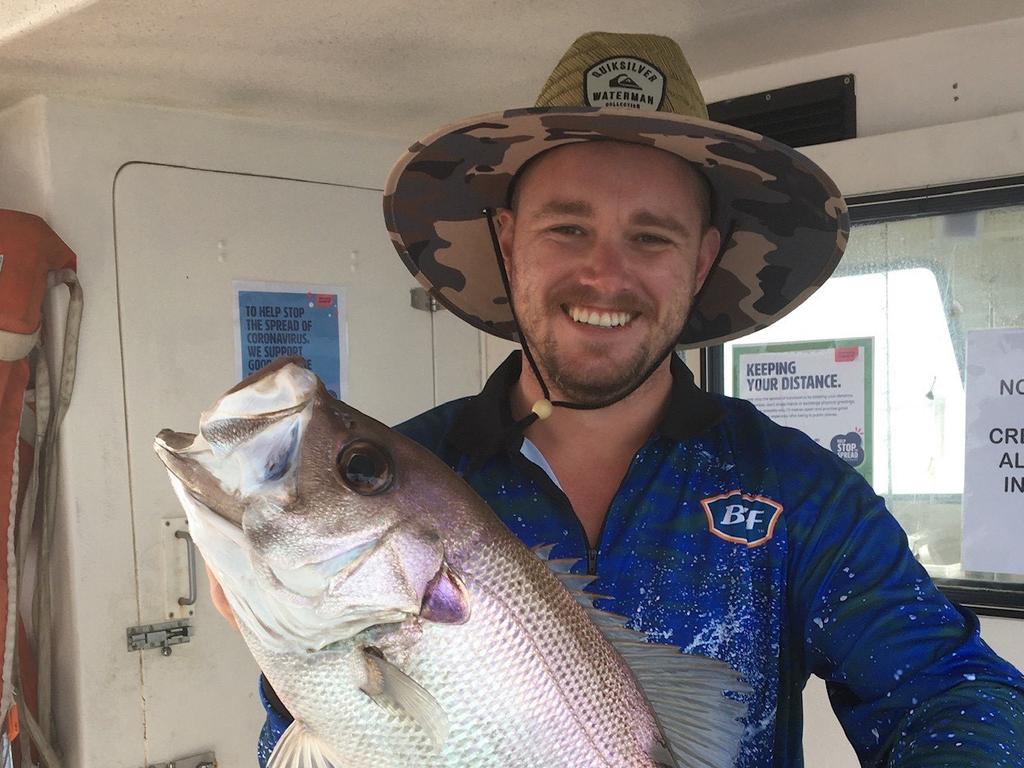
(994, 463)
(822, 388)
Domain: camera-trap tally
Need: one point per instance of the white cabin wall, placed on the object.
(24, 157)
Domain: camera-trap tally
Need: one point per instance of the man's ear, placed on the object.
(505, 220)
(710, 245)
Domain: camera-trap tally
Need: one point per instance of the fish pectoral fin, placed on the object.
(299, 748)
(662, 756)
(391, 688)
(446, 599)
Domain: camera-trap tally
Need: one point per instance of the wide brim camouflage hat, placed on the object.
(784, 222)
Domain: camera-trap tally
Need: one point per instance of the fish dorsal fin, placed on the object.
(298, 748)
(685, 690)
(563, 565)
(543, 551)
(391, 688)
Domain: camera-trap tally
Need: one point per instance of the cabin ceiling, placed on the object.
(403, 68)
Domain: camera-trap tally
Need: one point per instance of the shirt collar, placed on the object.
(484, 425)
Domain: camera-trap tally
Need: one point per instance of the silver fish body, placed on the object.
(400, 621)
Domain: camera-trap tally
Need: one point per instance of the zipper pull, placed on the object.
(591, 561)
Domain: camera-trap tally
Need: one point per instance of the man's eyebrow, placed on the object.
(642, 218)
(645, 218)
(565, 208)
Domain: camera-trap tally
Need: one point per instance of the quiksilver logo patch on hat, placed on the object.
(742, 518)
(624, 81)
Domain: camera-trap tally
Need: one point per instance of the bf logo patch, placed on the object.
(740, 518)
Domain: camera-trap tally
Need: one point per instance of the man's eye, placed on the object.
(567, 229)
(650, 239)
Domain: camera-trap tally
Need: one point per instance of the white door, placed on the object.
(183, 236)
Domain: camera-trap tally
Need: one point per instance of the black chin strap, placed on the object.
(543, 408)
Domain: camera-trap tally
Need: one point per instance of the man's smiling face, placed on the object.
(605, 247)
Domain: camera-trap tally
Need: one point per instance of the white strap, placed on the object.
(49, 417)
(12, 592)
(72, 326)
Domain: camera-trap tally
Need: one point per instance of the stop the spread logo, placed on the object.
(741, 518)
(624, 82)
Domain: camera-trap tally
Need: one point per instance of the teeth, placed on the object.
(602, 319)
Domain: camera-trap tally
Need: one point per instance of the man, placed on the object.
(602, 232)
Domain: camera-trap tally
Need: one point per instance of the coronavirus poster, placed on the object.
(283, 320)
(822, 388)
(994, 455)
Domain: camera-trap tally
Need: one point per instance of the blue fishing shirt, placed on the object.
(741, 540)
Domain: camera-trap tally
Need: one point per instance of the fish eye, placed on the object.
(365, 468)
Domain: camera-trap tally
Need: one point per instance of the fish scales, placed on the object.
(521, 650)
(541, 709)
(396, 617)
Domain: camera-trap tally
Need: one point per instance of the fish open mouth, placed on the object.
(182, 454)
(247, 440)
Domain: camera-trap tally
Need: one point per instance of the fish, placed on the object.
(398, 619)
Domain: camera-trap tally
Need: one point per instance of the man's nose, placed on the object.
(604, 264)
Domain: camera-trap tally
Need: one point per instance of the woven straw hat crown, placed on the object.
(567, 85)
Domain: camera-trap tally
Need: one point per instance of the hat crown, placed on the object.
(609, 69)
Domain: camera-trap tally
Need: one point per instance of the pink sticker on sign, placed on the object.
(847, 354)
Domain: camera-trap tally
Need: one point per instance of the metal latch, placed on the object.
(161, 636)
(205, 760)
(420, 298)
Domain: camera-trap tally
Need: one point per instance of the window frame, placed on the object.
(984, 597)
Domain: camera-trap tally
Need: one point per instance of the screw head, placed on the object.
(166, 650)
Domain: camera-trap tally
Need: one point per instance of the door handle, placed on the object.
(191, 549)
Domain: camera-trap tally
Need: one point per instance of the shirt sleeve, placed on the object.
(276, 724)
(909, 677)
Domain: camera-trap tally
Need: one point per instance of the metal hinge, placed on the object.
(205, 760)
(161, 636)
(420, 298)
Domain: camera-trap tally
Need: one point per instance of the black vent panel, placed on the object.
(797, 115)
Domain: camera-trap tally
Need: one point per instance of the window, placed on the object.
(922, 268)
